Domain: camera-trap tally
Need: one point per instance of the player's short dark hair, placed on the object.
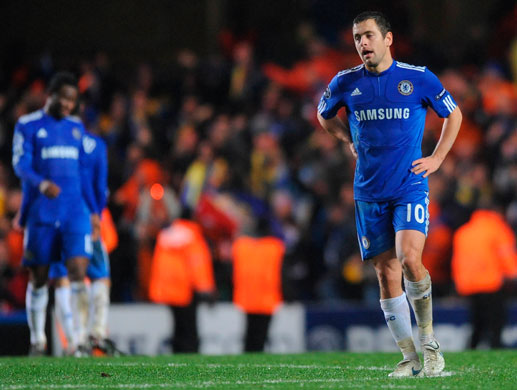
(382, 21)
(60, 79)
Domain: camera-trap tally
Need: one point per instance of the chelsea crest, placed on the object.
(405, 87)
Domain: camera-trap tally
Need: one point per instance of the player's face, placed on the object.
(63, 102)
(371, 46)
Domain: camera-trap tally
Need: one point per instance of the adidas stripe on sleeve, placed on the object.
(436, 96)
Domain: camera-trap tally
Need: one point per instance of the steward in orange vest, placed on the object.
(257, 273)
(181, 267)
(484, 255)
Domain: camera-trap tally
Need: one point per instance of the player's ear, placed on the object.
(388, 38)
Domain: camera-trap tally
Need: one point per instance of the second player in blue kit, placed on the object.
(91, 319)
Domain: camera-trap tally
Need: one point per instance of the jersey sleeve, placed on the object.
(87, 180)
(331, 101)
(23, 148)
(100, 174)
(436, 96)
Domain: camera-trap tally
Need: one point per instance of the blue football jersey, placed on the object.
(386, 113)
(45, 148)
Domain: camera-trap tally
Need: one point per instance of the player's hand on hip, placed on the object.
(426, 165)
(49, 189)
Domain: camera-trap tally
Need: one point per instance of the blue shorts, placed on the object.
(44, 244)
(378, 222)
(99, 266)
(97, 269)
(57, 270)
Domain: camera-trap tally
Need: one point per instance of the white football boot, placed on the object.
(434, 363)
(407, 368)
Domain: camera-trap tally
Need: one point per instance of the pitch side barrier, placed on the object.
(146, 329)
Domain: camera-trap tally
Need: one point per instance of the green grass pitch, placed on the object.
(464, 370)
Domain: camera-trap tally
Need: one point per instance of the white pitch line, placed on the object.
(199, 385)
(208, 384)
(270, 366)
(244, 365)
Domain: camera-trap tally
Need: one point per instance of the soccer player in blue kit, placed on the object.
(386, 103)
(59, 208)
(98, 270)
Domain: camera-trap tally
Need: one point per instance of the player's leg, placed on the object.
(40, 246)
(410, 244)
(36, 300)
(77, 249)
(80, 300)
(395, 307)
(377, 241)
(62, 294)
(100, 300)
(411, 219)
(99, 274)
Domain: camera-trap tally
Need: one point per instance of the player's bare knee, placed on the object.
(38, 276)
(76, 274)
(387, 276)
(412, 266)
(77, 268)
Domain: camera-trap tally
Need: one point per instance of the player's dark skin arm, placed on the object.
(96, 226)
(450, 129)
(336, 127)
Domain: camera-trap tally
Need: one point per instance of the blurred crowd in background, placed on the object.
(234, 138)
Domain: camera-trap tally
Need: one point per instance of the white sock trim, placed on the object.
(398, 319)
(390, 304)
(418, 290)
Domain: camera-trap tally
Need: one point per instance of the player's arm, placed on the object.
(101, 175)
(439, 99)
(335, 127)
(100, 185)
(450, 129)
(22, 163)
(88, 193)
(20, 218)
(328, 107)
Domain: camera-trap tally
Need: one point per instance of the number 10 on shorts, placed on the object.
(419, 213)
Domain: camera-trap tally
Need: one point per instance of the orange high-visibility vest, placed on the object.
(109, 235)
(181, 265)
(483, 254)
(257, 270)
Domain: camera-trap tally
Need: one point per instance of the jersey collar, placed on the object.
(384, 72)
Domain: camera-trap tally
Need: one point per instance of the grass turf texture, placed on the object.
(464, 370)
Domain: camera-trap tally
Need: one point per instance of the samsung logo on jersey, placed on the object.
(65, 152)
(381, 114)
